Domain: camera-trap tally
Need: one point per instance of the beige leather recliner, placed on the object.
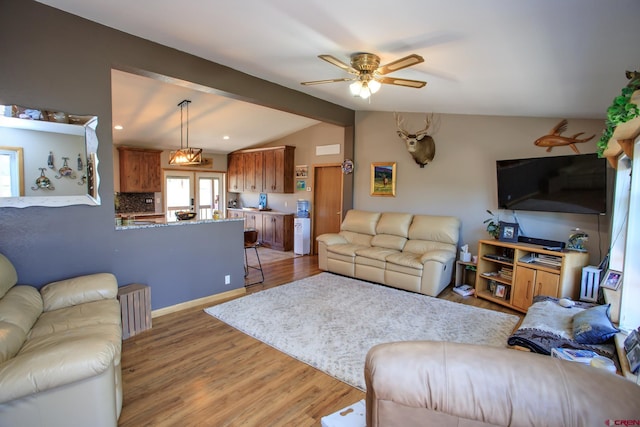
(59, 351)
(425, 383)
(406, 251)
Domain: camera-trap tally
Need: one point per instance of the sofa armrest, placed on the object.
(438, 256)
(59, 359)
(451, 383)
(79, 290)
(331, 239)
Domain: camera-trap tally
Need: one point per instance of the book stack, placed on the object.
(506, 273)
(549, 260)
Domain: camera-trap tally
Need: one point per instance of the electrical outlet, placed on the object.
(227, 279)
(308, 188)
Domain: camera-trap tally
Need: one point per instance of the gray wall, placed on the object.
(54, 60)
(461, 180)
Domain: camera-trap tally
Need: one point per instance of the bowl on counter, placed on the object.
(185, 215)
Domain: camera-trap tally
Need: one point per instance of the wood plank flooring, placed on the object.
(192, 369)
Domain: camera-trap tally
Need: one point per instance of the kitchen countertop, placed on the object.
(145, 224)
(261, 211)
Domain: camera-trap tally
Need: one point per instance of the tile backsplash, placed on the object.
(134, 202)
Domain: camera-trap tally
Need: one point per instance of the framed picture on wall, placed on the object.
(301, 185)
(383, 179)
(302, 171)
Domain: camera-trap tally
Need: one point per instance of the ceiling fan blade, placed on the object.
(335, 61)
(399, 64)
(402, 82)
(318, 82)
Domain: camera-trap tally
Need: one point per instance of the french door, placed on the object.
(202, 192)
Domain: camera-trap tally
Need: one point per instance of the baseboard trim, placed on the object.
(200, 301)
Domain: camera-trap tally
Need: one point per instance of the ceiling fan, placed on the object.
(369, 75)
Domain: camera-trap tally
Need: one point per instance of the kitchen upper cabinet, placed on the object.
(140, 170)
(252, 162)
(268, 170)
(235, 178)
(276, 165)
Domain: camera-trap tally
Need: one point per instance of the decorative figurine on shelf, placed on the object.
(80, 165)
(50, 160)
(65, 170)
(577, 239)
(43, 182)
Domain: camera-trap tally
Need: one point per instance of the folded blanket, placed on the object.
(548, 325)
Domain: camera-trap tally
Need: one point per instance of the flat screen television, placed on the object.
(571, 184)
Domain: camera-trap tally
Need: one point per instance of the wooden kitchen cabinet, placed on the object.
(266, 170)
(277, 231)
(140, 170)
(276, 165)
(253, 173)
(522, 271)
(235, 178)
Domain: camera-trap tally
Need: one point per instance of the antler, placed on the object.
(399, 121)
(427, 120)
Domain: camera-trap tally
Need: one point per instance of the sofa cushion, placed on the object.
(380, 254)
(424, 246)
(21, 306)
(8, 275)
(405, 259)
(388, 241)
(347, 249)
(79, 290)
(356, 238)
(444, 229)
(11, 339)
(77, 316)
(360, 222)
(394, 223)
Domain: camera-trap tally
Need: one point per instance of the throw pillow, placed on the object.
(592, 326)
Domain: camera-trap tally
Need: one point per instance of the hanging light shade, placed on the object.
(365, 86)
(185, 155)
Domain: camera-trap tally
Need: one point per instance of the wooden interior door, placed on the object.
(327, 201)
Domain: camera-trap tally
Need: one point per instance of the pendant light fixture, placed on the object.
(185, 155)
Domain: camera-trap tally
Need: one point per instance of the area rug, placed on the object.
(330, 321)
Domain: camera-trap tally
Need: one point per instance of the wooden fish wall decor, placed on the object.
(554, 139)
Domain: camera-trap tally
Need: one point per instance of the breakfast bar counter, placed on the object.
(148, 224)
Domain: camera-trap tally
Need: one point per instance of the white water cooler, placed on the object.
(301, 236)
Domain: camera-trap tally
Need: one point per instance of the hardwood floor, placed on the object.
(192, 369)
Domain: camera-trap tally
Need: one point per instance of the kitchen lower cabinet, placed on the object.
(277, 231)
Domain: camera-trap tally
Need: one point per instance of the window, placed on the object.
(201, 191)
(11, 172)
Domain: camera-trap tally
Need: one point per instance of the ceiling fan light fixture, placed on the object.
(355, 88)
(374, 86)
(185, 155)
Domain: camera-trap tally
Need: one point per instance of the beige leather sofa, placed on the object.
(425, 383)
(59, 351)
(411, 252)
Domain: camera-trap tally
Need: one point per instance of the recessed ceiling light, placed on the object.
(225, 137)
(118, 127)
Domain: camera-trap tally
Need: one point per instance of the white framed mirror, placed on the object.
(47, 158)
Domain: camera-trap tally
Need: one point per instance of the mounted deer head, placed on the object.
(420, 145)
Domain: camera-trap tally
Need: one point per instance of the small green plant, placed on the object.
(621, 110)
(493, 225)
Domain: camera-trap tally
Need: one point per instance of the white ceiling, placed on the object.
(541, 58)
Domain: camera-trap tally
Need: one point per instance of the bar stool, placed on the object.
(251, 241)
